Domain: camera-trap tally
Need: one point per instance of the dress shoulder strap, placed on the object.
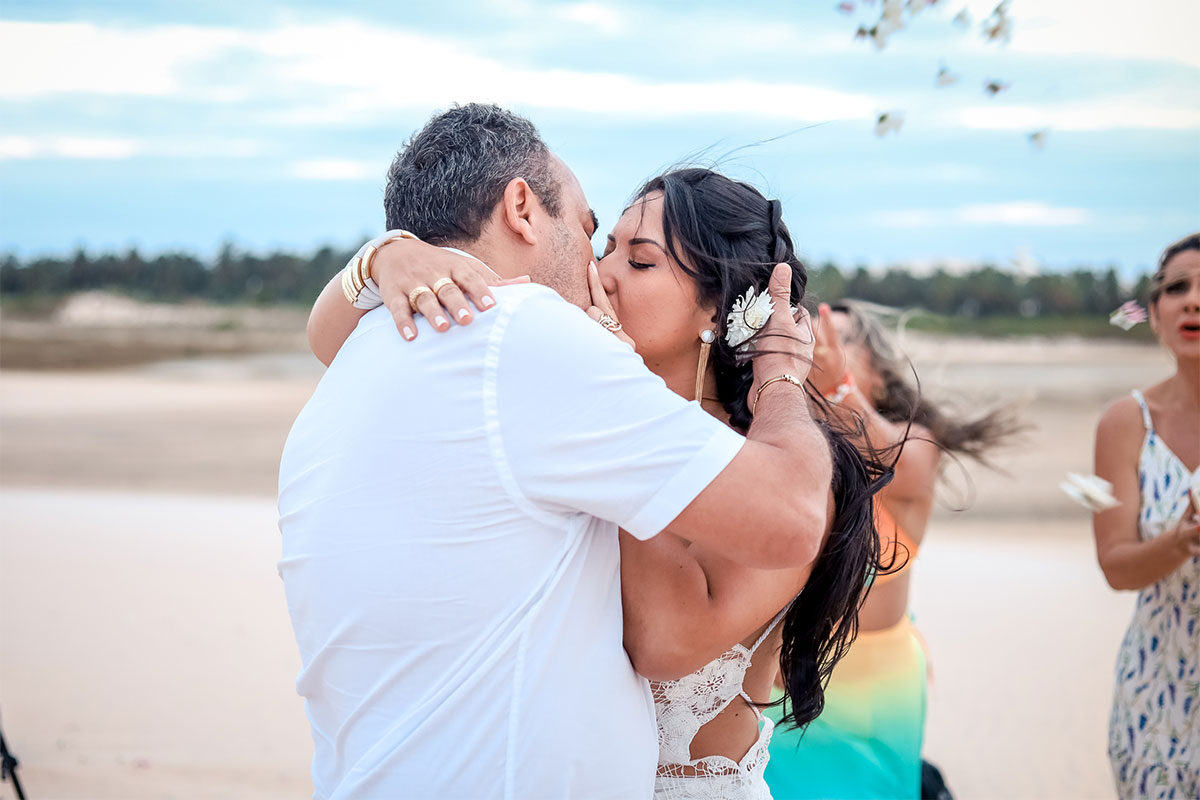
(770, 628)
(1141, 401)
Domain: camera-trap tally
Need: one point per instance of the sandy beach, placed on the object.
(146, 647)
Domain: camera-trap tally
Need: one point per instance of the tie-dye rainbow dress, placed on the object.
(867, 741)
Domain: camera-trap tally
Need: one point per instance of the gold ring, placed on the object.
(416, 295)
(609, 323)
(442, 283)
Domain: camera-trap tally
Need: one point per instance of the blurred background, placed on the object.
(178, 180)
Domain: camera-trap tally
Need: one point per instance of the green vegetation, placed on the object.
(984, 300)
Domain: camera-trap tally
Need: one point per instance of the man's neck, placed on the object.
(463, 252)
(494, 258)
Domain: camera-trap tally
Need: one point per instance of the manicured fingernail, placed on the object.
(592, 266)
(463, 313)
(487, 301)
(408, 333)
(439, 321)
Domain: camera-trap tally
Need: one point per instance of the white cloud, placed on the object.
(17, 147)
(349, 72)
(1157, 30)
(334, 169)
(379, 80)
(388, 68)
(1151, 30)
(1032, 213)
(1029, 213)
(593, 15)
(1099, 115)
(90, 147)
(45, 58)
(25, 147)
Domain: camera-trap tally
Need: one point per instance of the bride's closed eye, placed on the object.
(641, 251)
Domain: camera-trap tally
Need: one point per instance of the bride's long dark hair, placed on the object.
(728, 237)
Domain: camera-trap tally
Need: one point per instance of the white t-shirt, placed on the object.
(449, 511)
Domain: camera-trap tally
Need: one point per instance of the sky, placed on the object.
(177, 125)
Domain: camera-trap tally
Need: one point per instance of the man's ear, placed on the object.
(517, 207)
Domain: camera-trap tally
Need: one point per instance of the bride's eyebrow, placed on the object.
(643, 240)
(637, 240)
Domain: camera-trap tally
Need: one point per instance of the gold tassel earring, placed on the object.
(707, 337)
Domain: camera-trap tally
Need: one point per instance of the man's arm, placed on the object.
(768, 507)
(582, 425)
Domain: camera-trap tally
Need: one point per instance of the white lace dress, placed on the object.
(684, 706)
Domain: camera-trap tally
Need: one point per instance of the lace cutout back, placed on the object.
(684, 706)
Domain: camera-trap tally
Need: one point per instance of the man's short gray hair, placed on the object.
(444, 183)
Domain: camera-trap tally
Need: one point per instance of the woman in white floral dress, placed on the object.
(1148, 447)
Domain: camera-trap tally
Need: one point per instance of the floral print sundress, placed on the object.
(1154, 730)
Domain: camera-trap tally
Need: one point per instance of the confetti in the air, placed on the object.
(1090, 491)
(994, 88)
(889, 122)
(1128, 315)
(998, 26)
(945, 77)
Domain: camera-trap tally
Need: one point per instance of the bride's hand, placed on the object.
(601, 309)
(786, 342)
(403, 267)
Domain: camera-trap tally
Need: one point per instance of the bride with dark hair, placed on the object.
(684, 279)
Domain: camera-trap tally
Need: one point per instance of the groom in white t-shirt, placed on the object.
(450, 511)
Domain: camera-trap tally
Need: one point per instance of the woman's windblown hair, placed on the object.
(728, 237)
(900, 398)
(823, 620)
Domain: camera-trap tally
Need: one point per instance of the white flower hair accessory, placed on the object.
(749, 316)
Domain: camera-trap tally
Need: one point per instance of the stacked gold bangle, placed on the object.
(353, 280)
(358, 271)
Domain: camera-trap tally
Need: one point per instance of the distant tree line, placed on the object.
(285, 278)
(233, 277)
(983, 291)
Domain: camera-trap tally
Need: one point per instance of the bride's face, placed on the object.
(654, 299)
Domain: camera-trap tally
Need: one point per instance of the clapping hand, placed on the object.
(829, 355)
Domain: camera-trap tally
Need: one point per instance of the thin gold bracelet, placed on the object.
(369, 255)
(792, 379)
(358, 271)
